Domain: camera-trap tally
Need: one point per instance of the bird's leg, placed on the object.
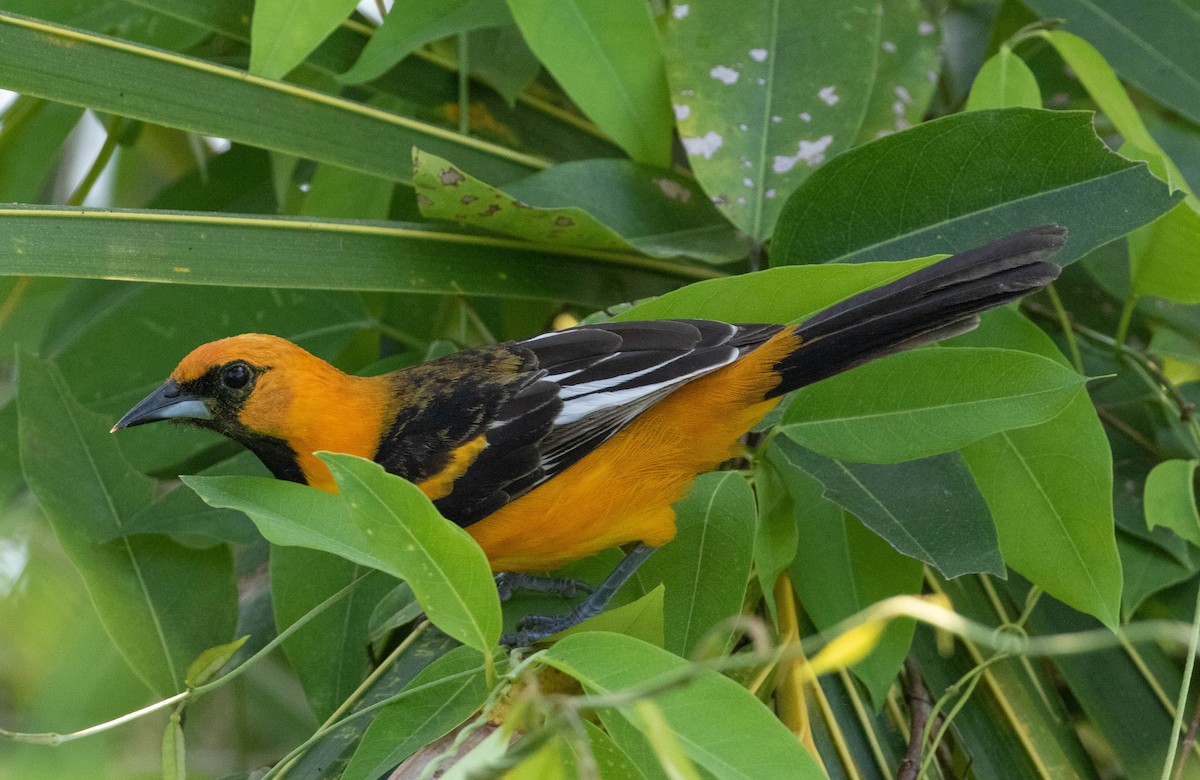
(509, 582)
(533, 628)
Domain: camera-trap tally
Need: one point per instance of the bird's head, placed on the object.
(235, 385)
(274, 398)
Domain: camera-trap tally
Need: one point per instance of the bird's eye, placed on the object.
(235, 376)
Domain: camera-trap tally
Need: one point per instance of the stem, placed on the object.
(360, 690)
(919, 707)
(464, 84)
(50, 738)
(1189, 741)
(99, 164)
(1181, 702)
(1126, 319)
(1064, 320)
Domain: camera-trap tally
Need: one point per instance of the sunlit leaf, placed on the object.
(1004, 81)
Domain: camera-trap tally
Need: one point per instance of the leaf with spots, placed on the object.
(763, 96)
(906, 70)
(644, 209)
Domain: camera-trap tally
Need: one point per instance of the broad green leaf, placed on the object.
(284, 32)
(319, 254)
(906, 69)
(210, 663)
(712, 717)
(960, 181)
(443, 695)
(606, 55)
(1150, 43)
(296, 515)
(641, 618)
(1146, 570)
(342, 194)
(763, 96)
(660, 212)
(1171, 498)
(329, 654)
(1165, 256)
(1004, 81)
(785, 295)
(1049, 488)
(446, 192)
(500, 58)
(398, 607)
(161, 603)
(83, 69)
(444, 566)
(842, 568)
(927, 401)
(776, 537)
(418, 22)
(928, 509)
(125, 20)
(1167, 343)
(706, 566)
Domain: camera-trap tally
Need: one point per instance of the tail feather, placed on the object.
(937, 302)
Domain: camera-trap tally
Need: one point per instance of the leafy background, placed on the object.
(383, 185)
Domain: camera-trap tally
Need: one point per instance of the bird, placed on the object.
(552, 448)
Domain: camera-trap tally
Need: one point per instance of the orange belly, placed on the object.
(623, 491)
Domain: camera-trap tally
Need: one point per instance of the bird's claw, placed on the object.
(508, 583)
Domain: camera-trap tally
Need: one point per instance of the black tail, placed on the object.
(937, 302)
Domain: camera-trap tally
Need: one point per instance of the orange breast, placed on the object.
(623, 491)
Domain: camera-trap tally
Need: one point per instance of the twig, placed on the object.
(919, 706)
(1189, 741)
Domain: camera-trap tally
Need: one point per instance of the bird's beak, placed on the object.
(166, 403)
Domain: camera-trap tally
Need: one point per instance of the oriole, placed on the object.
(553, 448)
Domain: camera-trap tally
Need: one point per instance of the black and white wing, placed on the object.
(581, 387)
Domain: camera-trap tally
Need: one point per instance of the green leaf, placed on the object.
(927, 401)
(1004, 81)
(78, 68)
(1165, 256)
(706, 566)
(417, 23)
(329, 653)
(318, 254)
(446, 192)
(842, 568)
(960, 181)
(928, 509)
(764, 95)
(161, 603)
(153, 26)
(1145, 571)
(1049, 488)
(284, 32)
(785, 295)
(398, 607)
(660, 212)
(1151, 44)
(443, 695)
(776, 537)
(444, 566)
(1170, 498)
(606, 55)
(210, 663)
(712, 717)
(906, 70)
(500, 58)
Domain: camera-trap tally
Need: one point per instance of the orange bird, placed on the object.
(553, 448)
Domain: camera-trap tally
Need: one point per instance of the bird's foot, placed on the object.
(535, 628)
(509, 582)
